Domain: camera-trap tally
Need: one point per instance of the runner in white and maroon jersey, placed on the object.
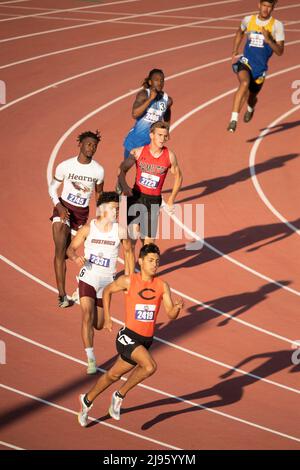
(80, 176)
(102, 239)
(152, 164)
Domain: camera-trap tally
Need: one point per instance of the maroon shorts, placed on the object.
(85, 290)
(78, 215)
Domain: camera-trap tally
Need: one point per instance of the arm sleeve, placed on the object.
(245, 22)
(53, 187)
(279, 31)
(100, 175)
(60, 171)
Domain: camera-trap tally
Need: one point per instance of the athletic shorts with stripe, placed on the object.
(127, 341)
(78, 216)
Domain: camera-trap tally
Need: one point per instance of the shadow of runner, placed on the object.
(29, 407)
(229, 391)
(219, 183)
(238, 240)
(285, 126)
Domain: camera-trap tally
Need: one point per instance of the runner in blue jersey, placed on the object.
(265, 35)
(151, 104)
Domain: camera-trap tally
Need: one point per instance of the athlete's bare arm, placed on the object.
(120, 284)
(125, 167)
(98, 190)
(53, 187)
(236, 44)
(167, 116)
(172, 308)
(277, 47)
(142, 102)
(77, 241)
(129, 261)
(176, 171)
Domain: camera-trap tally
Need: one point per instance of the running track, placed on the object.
(225, 378)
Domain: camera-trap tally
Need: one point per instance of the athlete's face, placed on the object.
(149, 264)
(88, 147)
(157, 81)
(159, 137)
(265, 9)
(109, 211)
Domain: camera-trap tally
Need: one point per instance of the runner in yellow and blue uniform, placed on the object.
(265, 35)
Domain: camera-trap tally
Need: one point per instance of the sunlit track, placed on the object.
(171, 28)
(255, 181)
(270, 430)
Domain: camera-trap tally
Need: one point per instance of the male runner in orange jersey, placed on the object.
(144, 295)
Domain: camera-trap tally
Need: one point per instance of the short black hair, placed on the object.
(94, 135)
(107, 196)
(152, 72)
(149, 248)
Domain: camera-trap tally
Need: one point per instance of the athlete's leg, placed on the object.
(242, 91)
(254, 89)
(61, 236)
(87, 305)
(98, 317)
(146, 366)
(120, 368)
(252, 99)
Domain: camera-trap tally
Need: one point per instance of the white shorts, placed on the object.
(91, 275)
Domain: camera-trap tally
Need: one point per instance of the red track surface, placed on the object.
(243, 411)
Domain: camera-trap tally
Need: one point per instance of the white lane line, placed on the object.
(169, 24)
(254, 178)
(121, 62)
(68, 410)
(154, 31)
(175, 397)
(7, 444)
(63, 18)
(176, 124)
(70, 10)
(107, 41)
(13, 1)
(160, 340)
(137, 16)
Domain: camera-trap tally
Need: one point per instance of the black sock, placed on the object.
(86, 401)
(120, 395)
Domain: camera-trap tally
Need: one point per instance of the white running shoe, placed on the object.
(75, 296)
(63, 301)
(115, 406)
(83, 415)
(92, 367)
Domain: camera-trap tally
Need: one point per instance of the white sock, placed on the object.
(234, 116)
(90, 353)
(250, 109)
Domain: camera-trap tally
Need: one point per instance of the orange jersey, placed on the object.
(142, 304)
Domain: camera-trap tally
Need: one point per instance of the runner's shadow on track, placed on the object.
(20, 412)
(241, 239)
(217, 184)
(228, 391)
(198, 315)
(285, 126)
